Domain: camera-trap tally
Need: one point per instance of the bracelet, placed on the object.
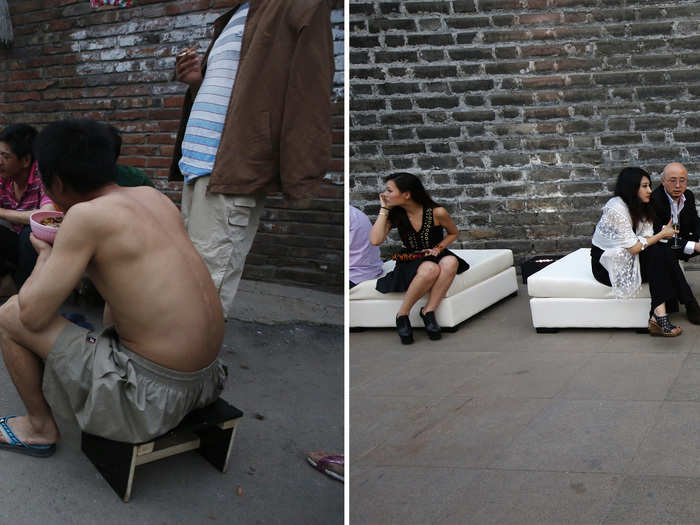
(386, 214)
(385, 208)
(643, 242)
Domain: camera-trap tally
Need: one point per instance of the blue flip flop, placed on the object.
(17, 445)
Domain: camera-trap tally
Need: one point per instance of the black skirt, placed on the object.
(399, 279)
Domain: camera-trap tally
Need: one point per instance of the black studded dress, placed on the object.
(427, 237)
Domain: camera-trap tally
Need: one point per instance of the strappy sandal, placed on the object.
(661, 326)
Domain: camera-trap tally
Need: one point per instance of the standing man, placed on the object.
(256, 119)
(672, 200)
(21, 194)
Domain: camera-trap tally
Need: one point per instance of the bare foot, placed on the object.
(43, 434)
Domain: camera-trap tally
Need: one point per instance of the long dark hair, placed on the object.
(408, 182)
(627, 188)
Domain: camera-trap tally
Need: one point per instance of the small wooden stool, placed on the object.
(210, 429)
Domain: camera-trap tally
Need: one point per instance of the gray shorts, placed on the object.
(117, 394)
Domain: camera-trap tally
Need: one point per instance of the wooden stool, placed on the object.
(210, 429)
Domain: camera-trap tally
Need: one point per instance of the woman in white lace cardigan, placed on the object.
(625, 252)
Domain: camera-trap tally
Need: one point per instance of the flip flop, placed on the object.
(331, 465)
(17, 445)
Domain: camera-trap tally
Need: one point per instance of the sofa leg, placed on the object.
(514, 294)
(448, 329)
(547, 330)
(642, 330)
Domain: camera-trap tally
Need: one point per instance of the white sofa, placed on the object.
(565, 294)
(490, 278)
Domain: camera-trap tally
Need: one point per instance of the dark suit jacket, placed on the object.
(688, 218)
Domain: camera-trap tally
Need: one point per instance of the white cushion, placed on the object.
(483, 264)
(571, 276)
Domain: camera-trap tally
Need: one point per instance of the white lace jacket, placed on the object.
(614, 234)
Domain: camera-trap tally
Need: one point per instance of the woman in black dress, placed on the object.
(425, 265)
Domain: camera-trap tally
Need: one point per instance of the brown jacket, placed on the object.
(277, 132)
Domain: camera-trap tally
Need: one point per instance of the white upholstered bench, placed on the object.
(490, 278)
(565, 294)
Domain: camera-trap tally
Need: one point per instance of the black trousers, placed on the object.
(17, 255)
(659, 267)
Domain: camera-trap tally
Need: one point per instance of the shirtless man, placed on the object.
(156, 360)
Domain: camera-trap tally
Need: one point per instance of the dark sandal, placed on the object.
(662, 326)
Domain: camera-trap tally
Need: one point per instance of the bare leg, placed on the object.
(25, 367)
(428, 272)
(660, 310)
(38, 426)
(448, 270)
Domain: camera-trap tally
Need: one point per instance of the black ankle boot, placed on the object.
(403, 325)
(431, 325)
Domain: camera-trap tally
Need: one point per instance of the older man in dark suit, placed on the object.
(672, 200)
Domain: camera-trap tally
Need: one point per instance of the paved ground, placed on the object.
(288, 379)
(496, 424)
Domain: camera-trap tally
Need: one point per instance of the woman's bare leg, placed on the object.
(428, 272)
(660, 310)
(448, 270)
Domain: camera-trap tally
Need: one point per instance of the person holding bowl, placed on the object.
(625, 252)
(21, 194)
(425, 265)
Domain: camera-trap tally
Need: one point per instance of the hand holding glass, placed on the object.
(676, 242)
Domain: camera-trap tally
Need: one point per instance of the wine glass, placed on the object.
(676, 242)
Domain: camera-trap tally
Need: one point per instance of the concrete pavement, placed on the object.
(496, 424)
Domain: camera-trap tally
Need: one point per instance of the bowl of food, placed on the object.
(45, 224)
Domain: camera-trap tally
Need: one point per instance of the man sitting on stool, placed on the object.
(156, 359)
(673, 200)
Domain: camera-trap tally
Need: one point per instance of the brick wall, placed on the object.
(519, 114)
(116, 65)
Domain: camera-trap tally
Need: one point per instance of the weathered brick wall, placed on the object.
(519, 114)
(116, 65)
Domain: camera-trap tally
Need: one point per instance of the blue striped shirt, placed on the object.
(206, 122)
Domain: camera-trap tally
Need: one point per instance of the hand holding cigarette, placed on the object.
(188, 68)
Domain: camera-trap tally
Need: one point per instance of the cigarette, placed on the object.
(186, 52)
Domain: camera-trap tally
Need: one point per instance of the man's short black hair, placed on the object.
(78, 151)
(117, 141)
(20, 139)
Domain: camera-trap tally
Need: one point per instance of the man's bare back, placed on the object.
(162, 300)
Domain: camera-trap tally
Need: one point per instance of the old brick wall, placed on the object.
(519, 114)
(116, 65)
